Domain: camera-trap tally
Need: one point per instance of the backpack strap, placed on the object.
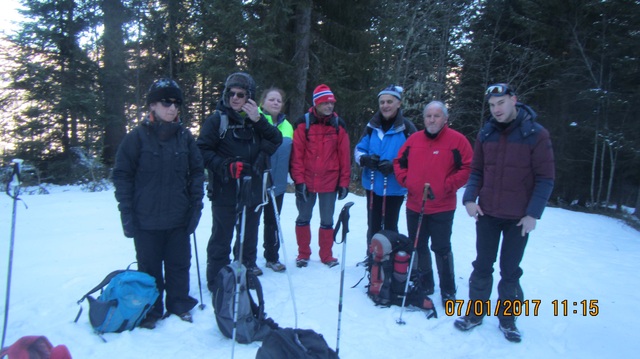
(224, 124)
(104, 282)
(307, 124)
(254, 283)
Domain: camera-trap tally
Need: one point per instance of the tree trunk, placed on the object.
(637, 211)
(113, 81)
(301, 58)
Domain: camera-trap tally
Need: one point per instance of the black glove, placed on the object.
(403, 161)
(127, 224)
(342, 192)
(385, 167)
(261, 163)
(194, 217)
(370, 162)
(301, 192)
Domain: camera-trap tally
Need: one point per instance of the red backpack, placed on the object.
(35, 347)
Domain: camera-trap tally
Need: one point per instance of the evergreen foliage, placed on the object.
(79, 72)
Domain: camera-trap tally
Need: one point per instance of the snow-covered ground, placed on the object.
(67, 241)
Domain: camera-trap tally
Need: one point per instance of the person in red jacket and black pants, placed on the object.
(320, 168)
(441, 157)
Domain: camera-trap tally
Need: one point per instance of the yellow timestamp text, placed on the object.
(527, 307)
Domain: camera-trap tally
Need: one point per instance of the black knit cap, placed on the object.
(164, 89)
(242, 80)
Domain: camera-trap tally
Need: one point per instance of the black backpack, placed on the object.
(252, 322)
(295, 343)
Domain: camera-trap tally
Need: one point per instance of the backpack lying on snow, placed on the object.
(128, 296)
(252, 323)
(295, 343)
(389, 273)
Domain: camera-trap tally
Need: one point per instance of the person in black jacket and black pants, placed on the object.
(159, 185)
(235, 141)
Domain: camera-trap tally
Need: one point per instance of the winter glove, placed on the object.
(301, 192)
(239, 169)
(194, 217)
(370, 162)
(385, 167)
(403, 161)
(127, 224)
(261, 163)
(342, 192)
(457, 159)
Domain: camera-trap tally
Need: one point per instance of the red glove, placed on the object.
(239, 169)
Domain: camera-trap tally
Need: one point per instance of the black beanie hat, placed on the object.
(242, 80)
(164, 89)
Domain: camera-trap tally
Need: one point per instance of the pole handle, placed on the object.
(425, 192)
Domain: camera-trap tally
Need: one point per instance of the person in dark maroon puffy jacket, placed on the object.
(512, 176)
(320, 168)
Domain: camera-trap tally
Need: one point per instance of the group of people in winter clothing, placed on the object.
(159, 179)
(510, 172)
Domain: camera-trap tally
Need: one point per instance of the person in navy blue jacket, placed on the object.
(159, 185)
(383, 136)
(512, 176)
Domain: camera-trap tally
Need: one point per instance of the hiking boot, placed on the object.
(149, 322)
(446, 297)
(255, 270)
(301, 262)
(331, 262)
(276, 266)
(511, 332)
(186, 317)
(467, 322)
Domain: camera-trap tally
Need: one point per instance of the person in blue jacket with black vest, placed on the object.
(159, 185)
(383, 136)
(512, 177)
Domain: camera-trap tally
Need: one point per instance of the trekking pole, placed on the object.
(284, 251)
(244, 191)
(344, 220)
(195, 246)
(425, 194)
(384, 200)
(13, 185)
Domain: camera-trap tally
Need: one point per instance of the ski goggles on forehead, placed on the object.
(498, 90)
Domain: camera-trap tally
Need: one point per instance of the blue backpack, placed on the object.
(128, 296)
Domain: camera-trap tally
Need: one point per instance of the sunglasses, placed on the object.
(237, 94)
(498, 90)
(168, 103)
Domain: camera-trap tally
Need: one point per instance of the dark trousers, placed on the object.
(219, 246)
(172, 248)
(488, 231)
(271, 244)
(327, 204)
(391, 211)
(436, 227)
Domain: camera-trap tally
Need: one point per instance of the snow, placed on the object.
(68, 240)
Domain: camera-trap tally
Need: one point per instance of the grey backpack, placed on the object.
(252, 323)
